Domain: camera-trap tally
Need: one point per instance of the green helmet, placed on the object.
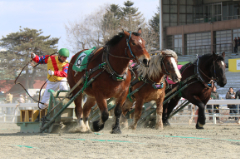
(64, 52)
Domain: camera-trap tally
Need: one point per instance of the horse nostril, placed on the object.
(145, 62)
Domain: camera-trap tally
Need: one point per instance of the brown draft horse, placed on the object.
(209, 68)
(160, 65)
(117, 53)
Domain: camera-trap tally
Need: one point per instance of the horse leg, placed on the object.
(79, 113)
(87, 109)
(137, 113)
(117, 112)
(168, 108)
(159, 112)
(192, 114)
(125, 108)
(201, 112)
(102, 105)
(165, 116)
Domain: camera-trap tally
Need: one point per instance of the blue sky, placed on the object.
(52, 15)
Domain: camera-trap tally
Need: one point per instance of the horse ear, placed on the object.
(140, 31)
(126, 33)
(214, 55)
(223, 54)
(123, 30)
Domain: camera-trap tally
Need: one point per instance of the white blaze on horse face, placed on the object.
(140, 41)
(175, 68)
(223, 63)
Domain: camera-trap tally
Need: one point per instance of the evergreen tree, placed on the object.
(154, 23)
(111, 21)
(133, 18)
(19, 46)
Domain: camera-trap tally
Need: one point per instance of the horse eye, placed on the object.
(133, 43)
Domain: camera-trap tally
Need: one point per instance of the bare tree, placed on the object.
(86, 33)
(100, 26)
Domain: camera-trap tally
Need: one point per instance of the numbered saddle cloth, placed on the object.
(81, 63)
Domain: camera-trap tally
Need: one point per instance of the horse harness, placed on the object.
(109, 69)
(155, 85)
(197, 75)
(145, 81)
(197, 71)
(105, 65)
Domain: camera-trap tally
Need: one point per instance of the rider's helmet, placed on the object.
(64, 52)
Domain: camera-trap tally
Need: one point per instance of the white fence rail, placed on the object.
(10, 113)
(189, 113)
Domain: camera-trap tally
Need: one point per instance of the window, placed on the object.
(170, 8)
(224, 41)
(198, 43)
(177, 44)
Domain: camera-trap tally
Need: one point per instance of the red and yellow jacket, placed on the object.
(60, 68)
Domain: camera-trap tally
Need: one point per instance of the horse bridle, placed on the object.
(214, 78)
(166, 72)
(129, 58)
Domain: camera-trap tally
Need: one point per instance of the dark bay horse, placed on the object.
(207, 68)
(113, 80)
(160, 65)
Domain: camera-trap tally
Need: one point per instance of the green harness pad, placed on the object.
(81, 63)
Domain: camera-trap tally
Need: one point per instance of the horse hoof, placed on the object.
(132, 127)
(158, 127)
(96, 127)
(166, 123)
(116, 130)
(198, 127)
(77, 129)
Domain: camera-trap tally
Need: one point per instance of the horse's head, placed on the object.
(218, 69)
(169, 65)
(136, 47)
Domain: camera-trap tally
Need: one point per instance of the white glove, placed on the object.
(33, 55)
(50, 72)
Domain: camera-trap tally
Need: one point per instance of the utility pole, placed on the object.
(160, 24)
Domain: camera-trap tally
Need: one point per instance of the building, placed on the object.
(200, 26)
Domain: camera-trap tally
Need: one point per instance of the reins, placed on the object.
(166, 72)
(130, 50)
(15, 82)
(214, 78)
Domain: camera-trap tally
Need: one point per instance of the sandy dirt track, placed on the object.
(179, 141)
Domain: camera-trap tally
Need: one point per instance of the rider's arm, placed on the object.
(41, 59)
(62, 73)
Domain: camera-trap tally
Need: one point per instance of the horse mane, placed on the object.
(154, 69)
(206, 57)
(115, 39)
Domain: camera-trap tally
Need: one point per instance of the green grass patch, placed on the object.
(183, 62)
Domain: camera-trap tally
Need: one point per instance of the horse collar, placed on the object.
(149, 81)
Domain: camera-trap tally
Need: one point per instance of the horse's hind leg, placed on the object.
(79, 113)
(87, 109)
